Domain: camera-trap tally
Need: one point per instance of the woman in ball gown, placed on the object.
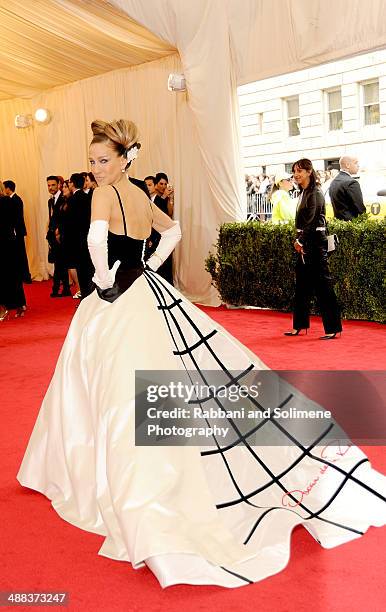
(11, 282)
(219, 514)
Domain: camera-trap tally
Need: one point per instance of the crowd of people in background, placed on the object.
(263, 183)
(280, 191)
(69, 216)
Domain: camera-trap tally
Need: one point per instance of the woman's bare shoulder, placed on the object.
(103, 190)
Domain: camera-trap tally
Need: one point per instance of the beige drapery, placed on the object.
(45, 43)
(201, 33)
(19, 161)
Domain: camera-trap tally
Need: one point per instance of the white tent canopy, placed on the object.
(221, 43)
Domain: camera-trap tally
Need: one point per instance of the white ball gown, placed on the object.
(212, 516)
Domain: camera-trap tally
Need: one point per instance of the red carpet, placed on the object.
(39, 551)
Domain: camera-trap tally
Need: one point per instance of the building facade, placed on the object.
(320, 113)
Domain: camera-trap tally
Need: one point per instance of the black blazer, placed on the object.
(54, 211)
(346, 197)
(310, 214)
(17, 203)
(7, 220)
(162, 203)
(78, 220)
(141, 184)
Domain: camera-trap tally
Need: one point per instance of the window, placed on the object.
(370, 102)
(252, 125)
(334, 109)
(288, 168)
(293, 118)
(331, 164)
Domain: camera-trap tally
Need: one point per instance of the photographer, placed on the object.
(165, 194)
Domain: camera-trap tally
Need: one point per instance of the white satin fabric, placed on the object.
(158, 505)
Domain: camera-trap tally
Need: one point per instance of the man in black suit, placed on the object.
(163, 197)
(150, 184)
(345, 192)
(79, 217)
(56, 251)
(141, 184)
(55, 196)
(20, 229)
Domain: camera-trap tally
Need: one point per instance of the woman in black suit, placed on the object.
(312, 271)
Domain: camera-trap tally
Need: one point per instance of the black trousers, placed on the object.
(60, 270)
(313, 278)
(11, 286)
(85, 271)
(23, 259)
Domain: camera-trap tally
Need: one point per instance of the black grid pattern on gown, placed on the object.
(176, 317)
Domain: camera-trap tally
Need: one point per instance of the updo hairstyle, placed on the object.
(121, 135)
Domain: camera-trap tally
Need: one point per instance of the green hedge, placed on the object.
(254, 265)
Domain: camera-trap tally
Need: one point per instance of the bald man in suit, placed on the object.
(345, 192)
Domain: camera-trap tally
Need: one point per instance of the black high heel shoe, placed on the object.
(294, 333)
(330, 336)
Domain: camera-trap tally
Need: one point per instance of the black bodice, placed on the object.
(127, 250)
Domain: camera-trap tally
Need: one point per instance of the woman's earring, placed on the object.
(123, 170)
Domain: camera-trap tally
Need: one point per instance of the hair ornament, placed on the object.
(132, 152)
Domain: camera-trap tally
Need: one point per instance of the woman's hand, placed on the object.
(108, 279)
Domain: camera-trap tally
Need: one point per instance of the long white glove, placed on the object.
(169, 239)
(97, 245)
